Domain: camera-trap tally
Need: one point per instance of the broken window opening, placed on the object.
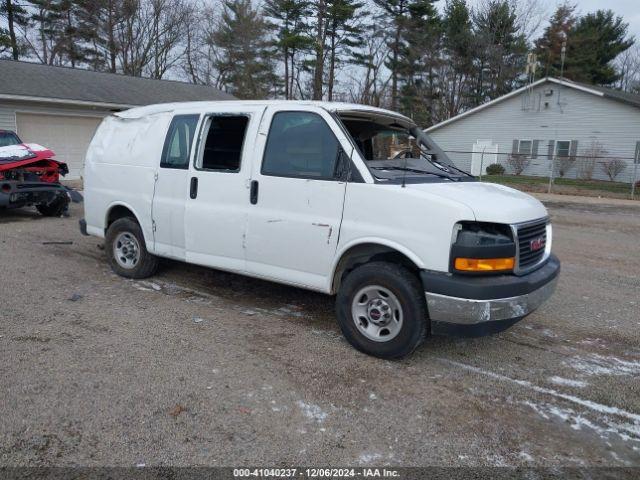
(224, 140)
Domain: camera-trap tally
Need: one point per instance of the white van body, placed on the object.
(299, 231)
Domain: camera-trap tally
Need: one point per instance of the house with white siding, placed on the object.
(577, 128)
(61, 107)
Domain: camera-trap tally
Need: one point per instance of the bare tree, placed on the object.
(589, 158)
(152, 31)
(613, 167)
(518, 162)
(369, 81)
(629, 67)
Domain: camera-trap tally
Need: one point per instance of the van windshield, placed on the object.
(395, 151)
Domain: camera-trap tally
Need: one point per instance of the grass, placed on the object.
(568, 186)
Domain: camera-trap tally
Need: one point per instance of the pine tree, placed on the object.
(418, 61)
(595, 41)
(500, 50)
(291, 35)
(549, 45)
(457, 50)
(244, 64)
(344, 35)
(395, 13)
(98, 22)
(16, 16)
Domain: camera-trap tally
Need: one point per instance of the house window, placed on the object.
(525, 147)
(563, 148)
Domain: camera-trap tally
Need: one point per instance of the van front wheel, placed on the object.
(381, 310)
(126, 250)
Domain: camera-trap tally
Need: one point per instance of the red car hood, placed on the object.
(22, 155)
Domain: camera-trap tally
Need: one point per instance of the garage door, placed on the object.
(67, 136)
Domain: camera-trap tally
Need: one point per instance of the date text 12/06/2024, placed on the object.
(316, 472)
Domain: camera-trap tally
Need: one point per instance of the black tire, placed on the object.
(55, 208)
(408, 291)
(146, 264)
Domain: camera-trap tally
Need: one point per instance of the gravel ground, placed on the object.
(199, 367)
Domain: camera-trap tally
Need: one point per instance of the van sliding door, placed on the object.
(217, 199)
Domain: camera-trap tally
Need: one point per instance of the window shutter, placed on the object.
(534, 149)
(514, 148)
(573, 149)
(637, 157)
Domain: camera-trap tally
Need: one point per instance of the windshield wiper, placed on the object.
(414, 170)
(458, 169)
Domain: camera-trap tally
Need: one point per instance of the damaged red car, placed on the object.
(30, 177)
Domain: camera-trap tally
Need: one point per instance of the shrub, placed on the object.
(518, 162)
(613, 167)
(588, 160)
(564, 164)
(495, 169)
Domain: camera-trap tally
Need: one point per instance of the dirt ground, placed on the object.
(199, 367)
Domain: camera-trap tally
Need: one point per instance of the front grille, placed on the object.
(531, 233)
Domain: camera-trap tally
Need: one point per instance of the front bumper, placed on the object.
(20, 194)
(474, 306)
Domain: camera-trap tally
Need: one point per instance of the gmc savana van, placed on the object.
(339, 198)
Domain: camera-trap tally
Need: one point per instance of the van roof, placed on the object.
(140, 112)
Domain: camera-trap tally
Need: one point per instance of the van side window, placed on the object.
(177, 144)
(301, 145)
(223, 147)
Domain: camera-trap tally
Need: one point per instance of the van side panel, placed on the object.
(120, 170)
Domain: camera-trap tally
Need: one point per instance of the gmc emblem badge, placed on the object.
(536, 244)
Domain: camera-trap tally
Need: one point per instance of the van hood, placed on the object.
(489, 202)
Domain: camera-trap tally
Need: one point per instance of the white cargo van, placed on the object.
(339, 198)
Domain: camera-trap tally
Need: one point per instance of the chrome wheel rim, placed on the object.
(377, 313)
(126, 250)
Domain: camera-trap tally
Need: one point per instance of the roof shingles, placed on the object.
(63, 83)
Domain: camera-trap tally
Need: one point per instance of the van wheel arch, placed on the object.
(117, 212)
(365, 253)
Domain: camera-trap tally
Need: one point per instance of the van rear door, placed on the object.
(172, 187)
(297, 195)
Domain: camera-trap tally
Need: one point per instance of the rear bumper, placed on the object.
(474, 306)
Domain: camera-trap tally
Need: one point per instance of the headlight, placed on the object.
(479, 247)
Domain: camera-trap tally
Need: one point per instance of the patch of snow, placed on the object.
(626, 431)
(596, 407)
(525, 456)
(366, 458)
(568, 382)
(312, 411)
(35, 147)
(595, 364)
(14, 151)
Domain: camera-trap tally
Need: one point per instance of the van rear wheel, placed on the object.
(381, 310)
(126, 250)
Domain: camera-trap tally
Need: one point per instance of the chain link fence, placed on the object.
(592, 170)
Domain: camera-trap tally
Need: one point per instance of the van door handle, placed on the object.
(193, 191)
(253, 196)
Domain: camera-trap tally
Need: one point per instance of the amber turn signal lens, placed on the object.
(484, 264)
